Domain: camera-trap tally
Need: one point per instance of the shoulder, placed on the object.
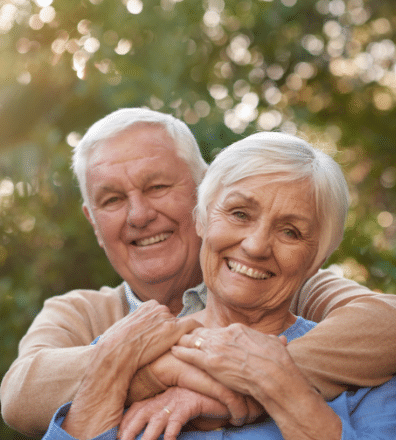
(82, 310)
(88, 298)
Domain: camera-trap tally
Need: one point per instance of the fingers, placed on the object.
(157, 424)
(184, 325)
(173, 429)
(190, 355)
(149, 332)
(283, 339)
(150, 414)
(130, 426)
(255, 409)
(165, 412)
(195, 379)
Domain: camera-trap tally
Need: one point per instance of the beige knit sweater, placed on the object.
(355, 344)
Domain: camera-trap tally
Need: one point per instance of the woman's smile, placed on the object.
(249, 272)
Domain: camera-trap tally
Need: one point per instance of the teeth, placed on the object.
(248, 271)
(153, 240)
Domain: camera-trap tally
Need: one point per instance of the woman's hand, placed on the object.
(259, 365)
(129, 344)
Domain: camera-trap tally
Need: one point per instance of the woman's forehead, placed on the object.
(262, 192)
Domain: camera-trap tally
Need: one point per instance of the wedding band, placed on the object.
(198, 343)
(167, 410)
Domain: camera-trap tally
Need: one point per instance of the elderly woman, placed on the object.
(270, 211)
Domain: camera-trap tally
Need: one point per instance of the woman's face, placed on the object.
(260, 242)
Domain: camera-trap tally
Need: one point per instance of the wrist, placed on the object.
(165, 370)
(144, 384)
(85, 422)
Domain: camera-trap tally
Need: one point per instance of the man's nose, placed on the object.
(140, 211)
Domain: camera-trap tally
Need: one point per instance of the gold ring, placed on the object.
(198, 343)
(167, 410)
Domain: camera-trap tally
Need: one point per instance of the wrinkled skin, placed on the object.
(134, 341)
(259, 365)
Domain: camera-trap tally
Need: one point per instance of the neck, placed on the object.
(271, 321)
(169, 292)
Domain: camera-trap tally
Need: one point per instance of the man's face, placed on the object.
(142, 196)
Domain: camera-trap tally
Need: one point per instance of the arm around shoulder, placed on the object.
(355, 340)
(53, 357)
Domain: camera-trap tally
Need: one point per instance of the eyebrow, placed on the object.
(102, 190)
(246, 199)
(108, 188)
(253, 202)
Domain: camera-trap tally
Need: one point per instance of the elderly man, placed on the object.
(138, 171)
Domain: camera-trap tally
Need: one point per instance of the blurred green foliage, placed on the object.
(323, 69)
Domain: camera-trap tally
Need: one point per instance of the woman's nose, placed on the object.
(140, 211)
(258, 243)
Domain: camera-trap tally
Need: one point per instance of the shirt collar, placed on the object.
(194, 299)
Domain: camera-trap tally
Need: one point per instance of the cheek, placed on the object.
(209, 253)
(177, 208)
(109, 224)
(296, 261)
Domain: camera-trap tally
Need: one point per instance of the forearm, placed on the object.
(327, 291)
(354, 342)
(36, 386)
(354, 345)
(53, 356)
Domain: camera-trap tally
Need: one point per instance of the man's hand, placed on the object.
(135, 340)
(169, 412)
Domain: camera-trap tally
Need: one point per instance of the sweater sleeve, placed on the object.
(54, 355)
(355, 340)
(55, 431)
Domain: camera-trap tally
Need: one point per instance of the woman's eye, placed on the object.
(240, 215)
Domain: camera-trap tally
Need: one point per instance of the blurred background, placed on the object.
(323, 69)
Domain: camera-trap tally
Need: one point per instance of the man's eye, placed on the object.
(291, 233)
(111, 200)
(157, 189)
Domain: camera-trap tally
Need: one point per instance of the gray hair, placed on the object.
(288, 159)
(120, 120)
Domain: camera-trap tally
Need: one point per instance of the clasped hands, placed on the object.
(194, 394)
(227, 374)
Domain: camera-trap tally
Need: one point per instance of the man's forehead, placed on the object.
(129, 147)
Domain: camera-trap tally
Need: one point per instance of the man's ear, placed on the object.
(199, 228)
(93, 223)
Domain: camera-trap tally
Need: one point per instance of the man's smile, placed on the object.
(152, 240)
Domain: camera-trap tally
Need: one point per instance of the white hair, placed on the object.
(288, 159)
(120, 120)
